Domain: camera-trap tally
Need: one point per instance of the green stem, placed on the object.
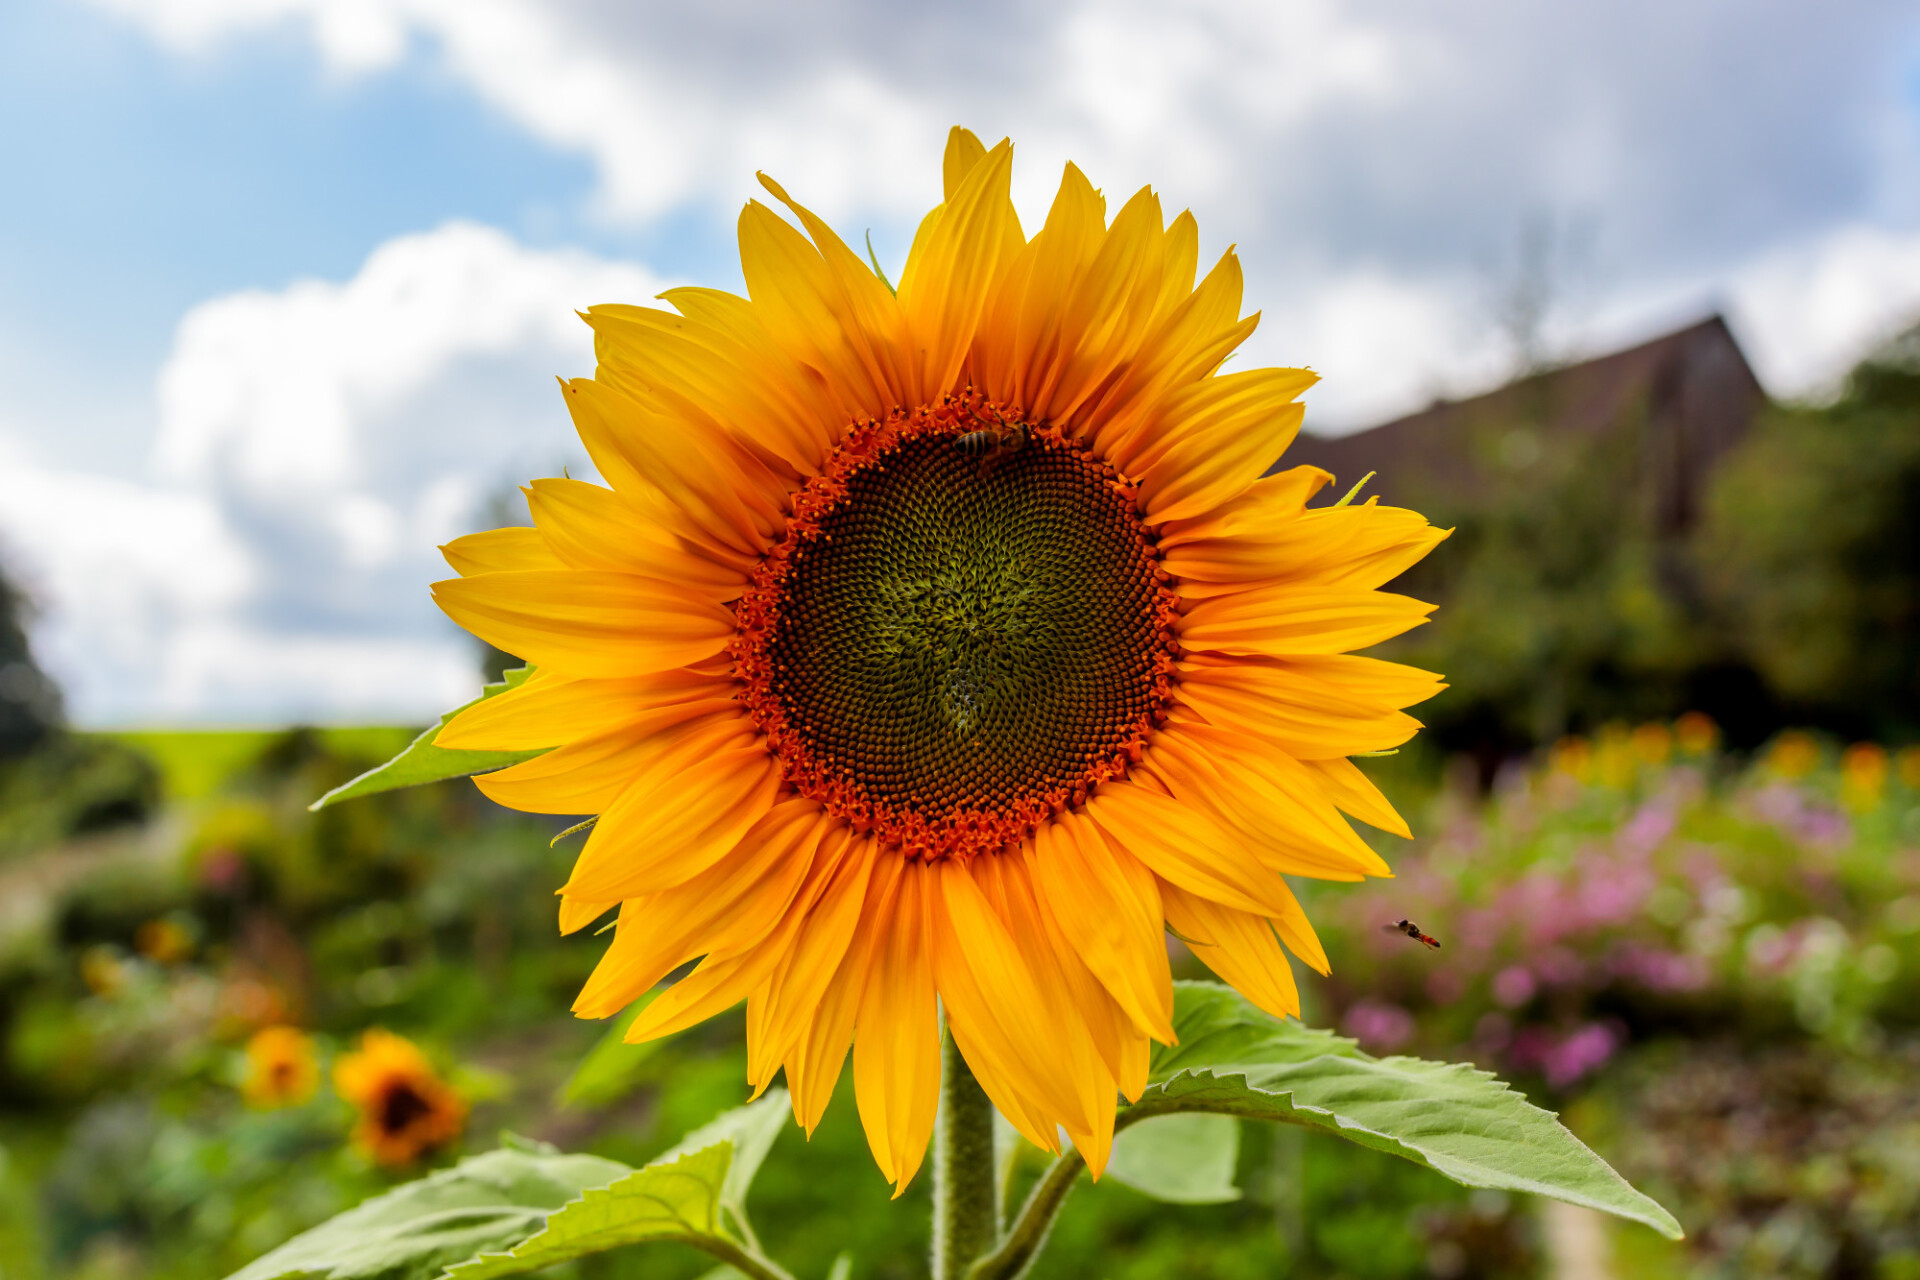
(966, 1192)
(1029, 1235)
(749, 1262)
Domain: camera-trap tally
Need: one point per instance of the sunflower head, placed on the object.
(406, 1109)
(943, 650)
(282, 1069)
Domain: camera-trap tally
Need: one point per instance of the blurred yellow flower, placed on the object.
(406, 1109)
(164, 941)
(1863, 776)
(283, 1069)
(1653, 743)
(1696, 733)
(1615, 759)
(937, 649)
(1910, 766)
(1793, 755)
(1573, 757)
(102, 969)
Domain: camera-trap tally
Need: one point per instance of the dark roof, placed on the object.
(1692, 391)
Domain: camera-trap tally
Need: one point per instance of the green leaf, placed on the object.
(751, 1129)
(410, 1233)
(676, 1200)
(680, 1196)
(612, 1068)
(1234, 1060)
(1183, 1159)
(423, 762)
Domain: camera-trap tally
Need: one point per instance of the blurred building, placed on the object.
(1675, 404)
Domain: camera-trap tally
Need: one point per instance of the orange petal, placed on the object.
(590, 774)
(952, 268)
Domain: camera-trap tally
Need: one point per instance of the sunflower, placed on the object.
(940, 651)
(282, 1068)
(406, 1109)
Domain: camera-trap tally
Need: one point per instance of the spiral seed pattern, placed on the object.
(949, 647)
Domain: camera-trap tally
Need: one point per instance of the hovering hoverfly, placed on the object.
(993, 443)
(1412, 930)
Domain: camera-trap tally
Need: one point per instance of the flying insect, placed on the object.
(1412, 930)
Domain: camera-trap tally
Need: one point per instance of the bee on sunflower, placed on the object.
(884, 719)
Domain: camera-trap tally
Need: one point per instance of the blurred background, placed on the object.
(1623, 293)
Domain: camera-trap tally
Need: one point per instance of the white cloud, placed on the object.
(1810, 312)
(315, 444)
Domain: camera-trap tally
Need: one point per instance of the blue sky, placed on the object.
(283, 282)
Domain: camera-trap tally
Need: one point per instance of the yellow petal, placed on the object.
(675, 822)
(550, 709)
(583, 622)
(589, 774)
(732, 905)
(1238, 946)
(1109, 908)
(964, 150)
(813, 1065)
(1279, 807)
(1298, 704)
(1268, 500)
(497, 549)
(835, 884)
(952, 269)
(1288, 619)
(896, 1049)
(594, 528)
(1215, 439)
(1355, 793)
(1187, 846)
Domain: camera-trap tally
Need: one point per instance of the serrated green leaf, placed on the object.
(485, 1202)
(612, 1068)
(678, 1199)
(1182, 1159)
(751, 1130)
(683, 1195)
(422, 762)
(1234, 1060)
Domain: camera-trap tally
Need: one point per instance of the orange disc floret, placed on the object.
(965, 630)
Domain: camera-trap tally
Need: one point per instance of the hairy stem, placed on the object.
(1029, 1234)
(966, 1192)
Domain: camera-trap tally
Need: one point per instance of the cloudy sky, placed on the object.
(284, 283)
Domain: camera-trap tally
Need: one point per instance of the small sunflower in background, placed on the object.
(941, 648)
(406, 1109)
(283, 1068)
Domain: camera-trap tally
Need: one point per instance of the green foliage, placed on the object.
(613, 1068)
(419, 1228)
(424, 762)
(677, 1199)
(527, 1206)
(1812, 550)
(1233, 1059)
(1555, 611)
(1181, 1159)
